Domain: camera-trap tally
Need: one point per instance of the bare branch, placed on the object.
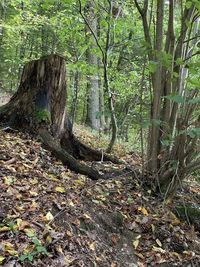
(197, 53)
(139, 8)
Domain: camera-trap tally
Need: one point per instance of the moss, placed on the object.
(42, 116)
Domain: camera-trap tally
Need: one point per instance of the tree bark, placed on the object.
(39, 107)
(92, 118)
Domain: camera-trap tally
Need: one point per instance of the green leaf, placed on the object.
(153, 66)
(194, 100)
(42, 250)
(156, 122)
(30, 257)
(176, 98)
(23, 257)
(195, 132)
(188, 4)
(175, 75)
(166, 142)
(145, 124)
(179, 61)
(36, 242)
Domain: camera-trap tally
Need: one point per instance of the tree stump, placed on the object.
(39, 106)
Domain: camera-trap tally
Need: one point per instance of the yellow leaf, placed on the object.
(22, 225)
(18, 196)
(68, 260)
(159, 250)
(8, 180)
(2, 259)
(136, 243)
(59, 249)
(158, 242)
(60, 189)
(32, 193)
(71, 203)
(138, 237)
(33, 206)
(29, 231)
(153, 228)
(49, 216)
(69, 233)
(92, 246)
(19, 221)
(8, 247)
(143, 210)
(34, 181)
(176, 254)
(80, 182)
(28, 249)
(49, 239)
(175, 222)
(140, 255)
(4, 229)
(53, 178)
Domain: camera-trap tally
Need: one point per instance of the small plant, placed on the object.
(36, 250)
(42, 115)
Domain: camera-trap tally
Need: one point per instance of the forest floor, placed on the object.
(51, 216)
(4, 97)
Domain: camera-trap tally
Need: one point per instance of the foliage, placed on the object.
(42, 115)
(38, 249)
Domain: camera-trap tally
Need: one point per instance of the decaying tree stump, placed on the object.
(39, 106)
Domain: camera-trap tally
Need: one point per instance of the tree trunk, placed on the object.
(92, 118)
(39, 106)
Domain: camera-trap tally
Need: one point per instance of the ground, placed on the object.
(50, 216)
(4, 97)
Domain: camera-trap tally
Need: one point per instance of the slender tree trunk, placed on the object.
(169, 163)
(157, 92)
(92, 118)
(75, 96)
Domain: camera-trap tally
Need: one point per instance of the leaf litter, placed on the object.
(50, 216)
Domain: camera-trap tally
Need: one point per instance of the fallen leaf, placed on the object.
(8, 247)
(60, 189)
(114, 239)
(158, 242)
(49, 216)
(153, 228)
(92, 246)
(113, 264)
(143, 210)
(2, 259)
(32, 193)
(22, 225)
(136, 243)
(158, 249)
(4, 229)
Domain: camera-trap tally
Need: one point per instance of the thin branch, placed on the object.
(139, 8)
(197, 53)
(190, 39)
